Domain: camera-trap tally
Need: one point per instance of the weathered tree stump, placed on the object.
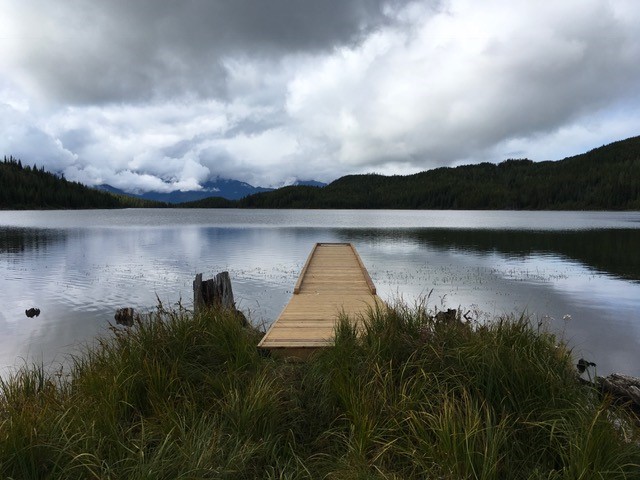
(215, 292)
(125, 316)
(450, 316)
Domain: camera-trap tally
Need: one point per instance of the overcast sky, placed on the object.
(165, 94)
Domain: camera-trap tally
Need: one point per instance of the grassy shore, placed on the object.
(178, 397)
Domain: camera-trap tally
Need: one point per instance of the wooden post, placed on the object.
(126, 316)
(216, 291)
(222, 291)
(198, 299)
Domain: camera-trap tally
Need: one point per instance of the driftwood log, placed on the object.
(215, 293)
(623, 388)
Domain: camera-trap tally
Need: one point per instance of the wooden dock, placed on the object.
(333, 281)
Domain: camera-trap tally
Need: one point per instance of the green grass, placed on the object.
(177, 397)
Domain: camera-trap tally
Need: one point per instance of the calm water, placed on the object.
(577, 271)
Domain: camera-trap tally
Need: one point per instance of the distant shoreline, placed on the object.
(603, 179)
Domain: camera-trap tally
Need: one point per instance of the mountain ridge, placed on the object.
(604, 178)
(226, 188)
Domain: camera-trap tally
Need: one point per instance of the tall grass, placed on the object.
(401, 395)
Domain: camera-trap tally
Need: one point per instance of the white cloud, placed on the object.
(461, 81)
(27, 138)
(148, 95)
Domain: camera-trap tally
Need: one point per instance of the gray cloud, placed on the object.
(95, 52)
(160, 94)
(458, 84)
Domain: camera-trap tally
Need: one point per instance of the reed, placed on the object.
(403, 394)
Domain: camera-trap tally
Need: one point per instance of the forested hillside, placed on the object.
(209, 202)
(606, 178)
(25, 187)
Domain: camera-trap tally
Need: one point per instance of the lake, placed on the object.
(577, 272)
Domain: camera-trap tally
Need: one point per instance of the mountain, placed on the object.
(220, 187)
(605, 178)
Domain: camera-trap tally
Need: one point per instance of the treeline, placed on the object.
(602, 250)
(209, 202)
(26, 187)
(606, 178)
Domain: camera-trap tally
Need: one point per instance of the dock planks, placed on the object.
(333, 281)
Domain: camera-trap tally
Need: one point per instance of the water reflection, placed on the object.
(593, 304)
(610, 251)
(79, 275)
(19, 240)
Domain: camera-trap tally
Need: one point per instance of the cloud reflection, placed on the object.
(78, 276)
